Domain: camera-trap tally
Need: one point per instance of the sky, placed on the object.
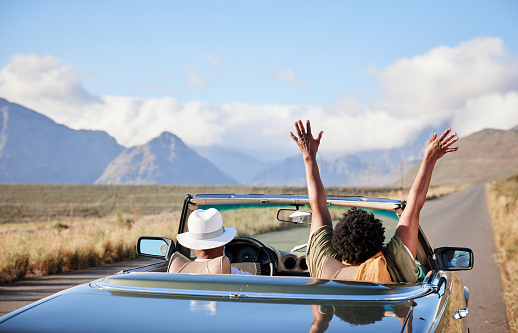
(237, 74)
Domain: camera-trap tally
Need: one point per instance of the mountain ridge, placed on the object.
(35, 149)
(165, 159)
(484, 156)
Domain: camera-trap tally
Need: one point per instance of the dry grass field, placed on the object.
(47, 229)
(30, 203)
(503, 207)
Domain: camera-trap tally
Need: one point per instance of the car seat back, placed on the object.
(181, 264)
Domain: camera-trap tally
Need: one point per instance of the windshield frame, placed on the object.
(192, 202)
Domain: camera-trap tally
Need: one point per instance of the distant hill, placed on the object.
(287, 172)
(35, 149)
(347, 170)
(483, 156)
(242, 167)
(163, 160)
(380, 167)
(386, 160)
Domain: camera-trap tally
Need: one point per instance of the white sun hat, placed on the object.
(206, 230)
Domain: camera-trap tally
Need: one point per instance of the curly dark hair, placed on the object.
(358, 236)
(360, 315)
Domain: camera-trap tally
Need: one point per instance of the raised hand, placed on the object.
(308, 145)
(408, 225)
(439, 146)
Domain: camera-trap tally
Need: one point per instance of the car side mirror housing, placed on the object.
(294, 216)
(454, 258)
(155, 247)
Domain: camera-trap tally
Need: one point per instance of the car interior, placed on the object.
(265, 254)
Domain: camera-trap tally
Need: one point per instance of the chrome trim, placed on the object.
(422, 291)
(440, 289)
(461, 313)
(146, 268)
(298, 247)
(242, 199)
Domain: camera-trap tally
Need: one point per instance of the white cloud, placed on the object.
(289, 76)
(47, 85)
(43, 78)
(472, 86)
(194, 80)
(495, 110)
(153, 89)
(286, 74)
(445, 77)
(213, 60)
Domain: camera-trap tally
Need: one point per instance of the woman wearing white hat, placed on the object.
(207, 237)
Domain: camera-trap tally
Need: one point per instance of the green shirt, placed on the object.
(400, 264)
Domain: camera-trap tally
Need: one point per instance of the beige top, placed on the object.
(399, 263)
(181, 264)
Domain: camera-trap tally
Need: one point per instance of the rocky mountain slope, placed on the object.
(241, 166)
(35, 149)
(163, 160)
(483, 156)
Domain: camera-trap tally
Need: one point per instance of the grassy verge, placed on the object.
(502, 200)
(54, 247)
(46, 248)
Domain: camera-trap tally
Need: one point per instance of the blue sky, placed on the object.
(237, 74)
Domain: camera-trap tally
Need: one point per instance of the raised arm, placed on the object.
(408, 225)
(317, 195)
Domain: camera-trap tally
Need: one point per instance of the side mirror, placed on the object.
(294, 216)
(454, 258)
(155, 247)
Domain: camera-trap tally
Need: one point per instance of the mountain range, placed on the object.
(484, 156)
(163, 160)
(35, 149)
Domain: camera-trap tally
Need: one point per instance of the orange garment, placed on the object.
(374, 270)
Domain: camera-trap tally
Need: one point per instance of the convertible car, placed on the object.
(277, 295)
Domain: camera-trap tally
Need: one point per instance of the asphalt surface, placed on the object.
(458, 219)
(462, 219)
(16, 295)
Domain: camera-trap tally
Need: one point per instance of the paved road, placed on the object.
(19, 294)
(462, 219)
(458, 219)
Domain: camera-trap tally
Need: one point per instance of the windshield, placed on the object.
(260, 222)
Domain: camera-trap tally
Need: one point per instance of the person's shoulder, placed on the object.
(325, 229)
(395, 245)
(395, 242)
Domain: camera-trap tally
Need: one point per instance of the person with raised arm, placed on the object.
(354, 250)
